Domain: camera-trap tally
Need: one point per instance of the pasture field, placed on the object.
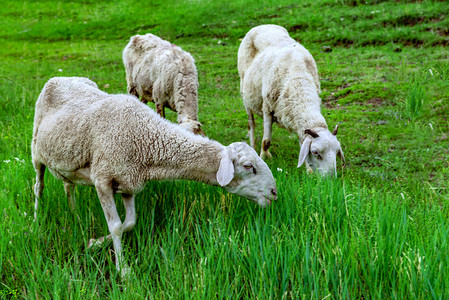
(379, 230)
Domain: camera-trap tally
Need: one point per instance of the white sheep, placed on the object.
(116, 143)
(279, 81)
(163, 73)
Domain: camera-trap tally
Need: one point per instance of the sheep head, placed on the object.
(319, 150)
(244, 173)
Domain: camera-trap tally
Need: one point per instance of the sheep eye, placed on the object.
(249, 167)
(317, 154)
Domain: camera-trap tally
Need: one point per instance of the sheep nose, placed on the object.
(274, 192)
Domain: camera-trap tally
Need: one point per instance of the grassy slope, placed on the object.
(379, 230)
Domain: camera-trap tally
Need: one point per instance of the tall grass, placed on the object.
(320, 239)
(416, 96)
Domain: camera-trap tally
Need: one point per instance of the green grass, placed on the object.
(380, 230)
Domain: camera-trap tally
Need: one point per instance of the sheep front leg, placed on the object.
(130, 220)
(251, 128)
(39, 186)
(106, 196)
(266, 142)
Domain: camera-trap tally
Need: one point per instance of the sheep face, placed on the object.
(244, 173)
(320, 151)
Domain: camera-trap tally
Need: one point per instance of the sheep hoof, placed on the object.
(125, 272)
(93, 243)
(265, 154)
(97, 242)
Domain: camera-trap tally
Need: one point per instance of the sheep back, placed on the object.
(161, 72)
(115, 137)
(263, 37)
(279, 79)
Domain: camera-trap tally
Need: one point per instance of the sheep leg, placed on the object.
(69, 189)
(39, 186)
(266, 142)
(99, 241)
(160, 110)
(130, 219)
(115, 226)
(133, 91)
(251, 128)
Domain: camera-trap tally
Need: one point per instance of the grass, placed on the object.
(379, 230)
(415, 98)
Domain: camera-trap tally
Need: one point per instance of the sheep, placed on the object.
(163, 73)
(279, 82)
(116, 143)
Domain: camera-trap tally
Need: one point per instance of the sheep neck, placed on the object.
(296, 115)
(191, 159)
(186, 98)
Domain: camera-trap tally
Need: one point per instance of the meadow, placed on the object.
(378, 230)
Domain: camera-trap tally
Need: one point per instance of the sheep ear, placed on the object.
(342, 157)
(226, 170)
(335, 130)
(311, 133)
(305, 148)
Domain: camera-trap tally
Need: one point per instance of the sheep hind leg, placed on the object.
(160, 110)
(130, 219)
(69, 189)
(115, 226)
(251, 128)
(133, 91)
(266, 142)
(39, 185)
